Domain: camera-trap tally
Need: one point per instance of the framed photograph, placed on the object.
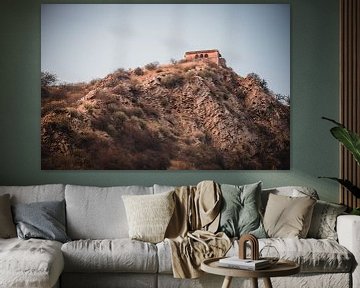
(165, 86)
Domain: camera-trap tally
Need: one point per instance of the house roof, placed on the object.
(202, 51)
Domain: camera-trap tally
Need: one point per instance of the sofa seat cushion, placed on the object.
(30, 263)
(313, 255)
(115, 255)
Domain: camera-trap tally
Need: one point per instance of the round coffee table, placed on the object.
(281, 268)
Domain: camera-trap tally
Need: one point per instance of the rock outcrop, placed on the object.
(177, 116)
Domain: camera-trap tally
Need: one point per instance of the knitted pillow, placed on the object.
(149, 215)
(323, 222)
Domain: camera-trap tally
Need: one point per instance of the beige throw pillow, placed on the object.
(7, 226)
(148, 215)
(288, 217)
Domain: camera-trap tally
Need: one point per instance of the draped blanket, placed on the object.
(191, 231)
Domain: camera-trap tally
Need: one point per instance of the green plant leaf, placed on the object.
(355, 211)
(347, 184)
(348, 138)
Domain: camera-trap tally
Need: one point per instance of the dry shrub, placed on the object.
(101, 122)
(120, 89)
(121, 74)
(119, 118)
(60, 122)
(53, 106)
(152, 65)
(149, 111)
(172, 80)
(189, 75)
(138, 71)
(133, 111)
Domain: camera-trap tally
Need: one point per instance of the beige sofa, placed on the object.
(101, 254)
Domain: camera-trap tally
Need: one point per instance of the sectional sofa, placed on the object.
(100, 253)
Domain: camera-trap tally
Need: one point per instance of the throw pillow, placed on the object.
(288, 217)
(149, 215)
(240, 213)
(44, 220)
(7, 227)
(323, 222)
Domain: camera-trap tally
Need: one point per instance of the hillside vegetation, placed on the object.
(178, 116)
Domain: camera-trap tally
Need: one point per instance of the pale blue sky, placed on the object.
(80, 42)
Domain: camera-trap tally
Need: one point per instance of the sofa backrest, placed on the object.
(98, 212)
(163, 188)
(36, 193)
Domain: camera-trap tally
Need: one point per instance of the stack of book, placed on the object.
(248, 264)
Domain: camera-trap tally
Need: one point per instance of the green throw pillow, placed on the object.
(240, 213)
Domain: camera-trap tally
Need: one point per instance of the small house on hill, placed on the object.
(205, 55)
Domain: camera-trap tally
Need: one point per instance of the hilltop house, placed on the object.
(212, 55)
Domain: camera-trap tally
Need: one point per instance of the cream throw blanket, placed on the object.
(191, 231)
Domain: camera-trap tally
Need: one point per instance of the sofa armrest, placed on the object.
(348, 230)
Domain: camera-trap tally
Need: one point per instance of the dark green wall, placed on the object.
(314, 93)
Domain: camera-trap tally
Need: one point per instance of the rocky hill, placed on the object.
(189, 115)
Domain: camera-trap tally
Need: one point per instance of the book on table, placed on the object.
(249, 264)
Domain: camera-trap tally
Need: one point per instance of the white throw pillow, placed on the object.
(149, 215)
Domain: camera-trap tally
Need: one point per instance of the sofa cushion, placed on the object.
(36, 193)
(323, 222)
(7, 226)
(30, 263)
(149, 215)
(43, 220)
(164, 257)
(287, 216)
(313, 255)
(163, 188)
(240, 212)
(98, 213)
(117, 255)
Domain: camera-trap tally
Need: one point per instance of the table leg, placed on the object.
(227, 282)
(267, 283)
(254, 282)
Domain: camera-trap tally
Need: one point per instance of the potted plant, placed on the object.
(351, 141)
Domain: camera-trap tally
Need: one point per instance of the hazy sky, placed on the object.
(80, 42)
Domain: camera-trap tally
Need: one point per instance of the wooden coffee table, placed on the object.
(281, 268)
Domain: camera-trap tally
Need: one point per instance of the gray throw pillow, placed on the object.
(7, 227)
(44, 220)
(240, 213)
(323, 222)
